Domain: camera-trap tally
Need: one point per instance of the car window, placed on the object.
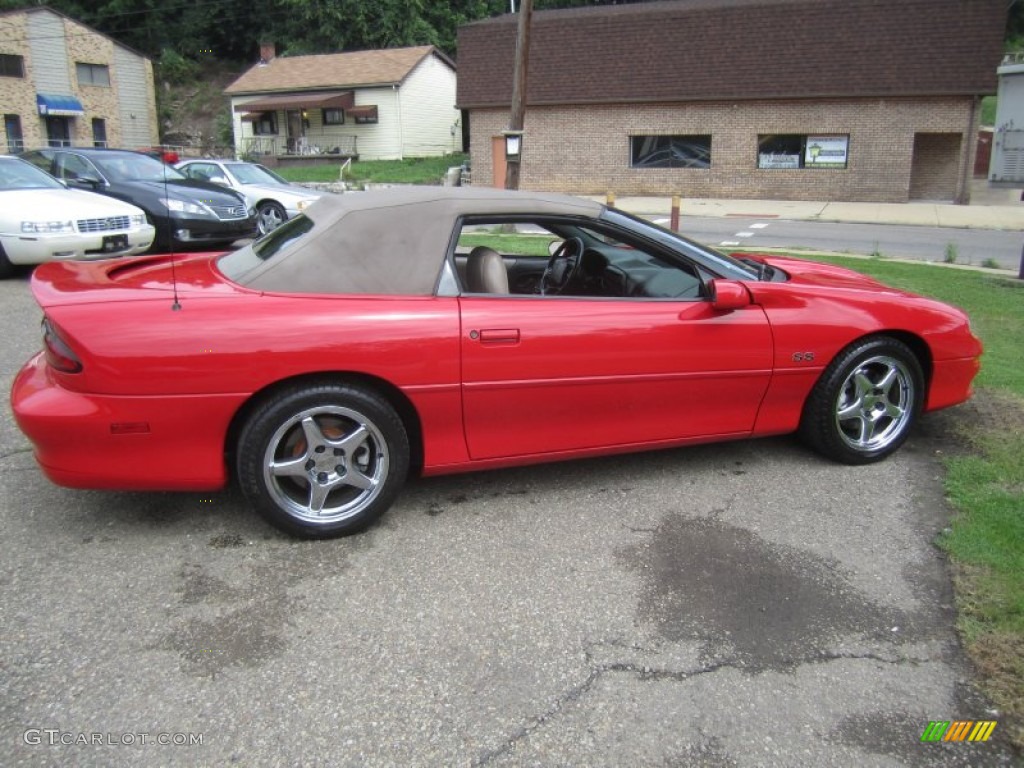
(134, 166)
(15, 174)
(76, 167)
(201, 171)
(239, 264)
(250, 173)
(554, 257)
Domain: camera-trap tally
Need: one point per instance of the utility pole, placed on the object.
(518, 111)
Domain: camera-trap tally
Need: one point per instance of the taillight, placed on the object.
(59, 354)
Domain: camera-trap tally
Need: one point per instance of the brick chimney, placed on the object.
(267, 52)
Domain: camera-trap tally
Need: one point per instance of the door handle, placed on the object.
(497, 335)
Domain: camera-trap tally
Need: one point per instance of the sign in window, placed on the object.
(794, 150)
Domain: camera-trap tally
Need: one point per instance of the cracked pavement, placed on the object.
(745, 604)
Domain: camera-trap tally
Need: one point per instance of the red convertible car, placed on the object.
(443, 330)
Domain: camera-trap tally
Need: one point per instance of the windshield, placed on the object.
(716, 261)
(17, 174)
(250, 173)
(133, 166)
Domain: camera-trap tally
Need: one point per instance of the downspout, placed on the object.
(401, 126)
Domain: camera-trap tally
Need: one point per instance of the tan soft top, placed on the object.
(389, 241)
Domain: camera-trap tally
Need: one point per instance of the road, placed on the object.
(745, 604)
(970, 246)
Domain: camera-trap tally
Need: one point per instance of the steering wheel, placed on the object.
(562, 267)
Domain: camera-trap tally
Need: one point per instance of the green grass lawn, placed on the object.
(415, 170)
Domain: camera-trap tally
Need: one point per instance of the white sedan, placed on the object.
(41, 220)
(275, 199)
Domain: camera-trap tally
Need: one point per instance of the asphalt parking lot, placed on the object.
(746, 604)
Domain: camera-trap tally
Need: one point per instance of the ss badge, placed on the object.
(803, 357)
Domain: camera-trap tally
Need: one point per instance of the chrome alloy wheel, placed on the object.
(326, 464)
(875, 404)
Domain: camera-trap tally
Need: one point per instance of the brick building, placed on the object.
(788, 99)
(63, 83)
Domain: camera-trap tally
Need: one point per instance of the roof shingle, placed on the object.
(355, 69)
(691, 50)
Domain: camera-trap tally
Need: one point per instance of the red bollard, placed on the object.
(674, 222)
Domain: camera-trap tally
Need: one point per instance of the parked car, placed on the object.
(41, 220)
(275, 199)
(401, 331)
(186, 213)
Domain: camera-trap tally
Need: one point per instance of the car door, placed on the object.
(550, 374)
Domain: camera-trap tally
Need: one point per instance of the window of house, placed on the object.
(670, 151)
(265, 124)
(12, 126)
(366, 119)
(797, 150)
(92, 74)
(99, 132)
(334, 116)
(11, 65)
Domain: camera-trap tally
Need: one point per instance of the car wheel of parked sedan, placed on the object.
(865, 403)
(323, 460)
(6, 268)
(270, 216)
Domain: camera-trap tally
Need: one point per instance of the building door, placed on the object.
(12, 126)
(295, 132)
(934, 170)
(58, 131)
(498, 162)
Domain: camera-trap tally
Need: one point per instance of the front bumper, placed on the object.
(39, 248)
(208, 230)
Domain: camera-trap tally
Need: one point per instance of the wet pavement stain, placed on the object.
(755, 604)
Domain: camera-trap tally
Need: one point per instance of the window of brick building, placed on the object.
(11, 65)
(99, 132)
(92, 74)
(670, 151)
(798, 150)
(15, 141)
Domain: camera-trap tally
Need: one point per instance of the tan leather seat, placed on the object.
(485, 271)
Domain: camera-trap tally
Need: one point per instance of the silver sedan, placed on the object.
(275, 199)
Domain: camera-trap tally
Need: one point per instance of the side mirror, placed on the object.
(84, 182)
(727, 295)
(222, 180)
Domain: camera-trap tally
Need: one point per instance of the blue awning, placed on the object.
(59, 106)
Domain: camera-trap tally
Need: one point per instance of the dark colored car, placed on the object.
(184, 211)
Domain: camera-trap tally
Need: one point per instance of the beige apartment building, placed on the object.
(62, 83)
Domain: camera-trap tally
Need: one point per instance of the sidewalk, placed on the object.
(989, 209)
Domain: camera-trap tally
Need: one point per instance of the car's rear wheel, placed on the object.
(865, 403)
(270, 216)
(323, 460)
(6, 267)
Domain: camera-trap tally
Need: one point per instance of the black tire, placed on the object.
(322, 460)
(6, 268)
(866, 402)
(270, 216)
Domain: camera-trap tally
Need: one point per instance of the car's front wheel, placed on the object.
(6, 267)
(323, 460)
(865, 403)
(270, 216)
